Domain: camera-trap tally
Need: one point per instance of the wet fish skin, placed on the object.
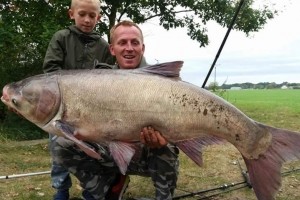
(111, 107)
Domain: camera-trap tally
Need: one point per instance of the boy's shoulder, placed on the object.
(62, 32)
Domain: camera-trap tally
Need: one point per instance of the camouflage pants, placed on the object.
(60, 177)
(96, 176)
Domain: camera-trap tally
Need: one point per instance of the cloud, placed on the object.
(270, 55)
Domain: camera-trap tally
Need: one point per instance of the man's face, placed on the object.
(86, 15)
(127, 46)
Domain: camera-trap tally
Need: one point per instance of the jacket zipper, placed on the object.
(84, 55)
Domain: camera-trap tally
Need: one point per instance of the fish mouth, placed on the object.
(5, 97)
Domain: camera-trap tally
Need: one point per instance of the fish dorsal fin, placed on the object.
(168, 69)
(193, 147)
(122, 153)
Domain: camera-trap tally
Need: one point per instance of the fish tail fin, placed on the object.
(265, 172)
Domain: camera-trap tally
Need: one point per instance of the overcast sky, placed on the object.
(270, 55)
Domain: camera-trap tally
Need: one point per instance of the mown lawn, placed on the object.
(280, 108)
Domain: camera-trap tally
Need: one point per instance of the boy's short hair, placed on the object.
(124, 23)
(96, 2)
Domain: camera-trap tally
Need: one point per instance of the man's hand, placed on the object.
(152, 138)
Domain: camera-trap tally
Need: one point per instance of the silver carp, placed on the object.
(110, 107)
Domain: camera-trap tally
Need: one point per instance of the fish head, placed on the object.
(36, 98)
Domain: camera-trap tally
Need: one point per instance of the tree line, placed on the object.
(262, 85)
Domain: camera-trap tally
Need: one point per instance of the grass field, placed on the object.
(280, 108)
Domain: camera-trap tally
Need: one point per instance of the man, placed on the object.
(159, 160)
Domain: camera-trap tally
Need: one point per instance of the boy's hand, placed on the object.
(152, 138)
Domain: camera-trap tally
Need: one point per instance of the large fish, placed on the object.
(111, 107)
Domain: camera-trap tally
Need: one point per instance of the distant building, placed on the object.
(284, 87)
(235, 88)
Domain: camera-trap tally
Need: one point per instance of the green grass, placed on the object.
(265, 99)
(280, 108)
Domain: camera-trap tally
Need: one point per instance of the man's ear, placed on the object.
(71, 13)
(112, 51)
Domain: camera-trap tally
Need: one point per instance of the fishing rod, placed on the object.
(222, 187)
(244, 174)
(23, 175)
(225, 187)
(219, 193)
(223, 42)
(245, 183)
(291, 171)
(196, 194)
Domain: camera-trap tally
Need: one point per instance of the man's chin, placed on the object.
(128, 64)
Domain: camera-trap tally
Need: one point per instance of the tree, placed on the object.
(25, 30)
(213, 86)
(36, 21)
(191, 14)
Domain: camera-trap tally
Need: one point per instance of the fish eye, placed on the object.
(14, 101)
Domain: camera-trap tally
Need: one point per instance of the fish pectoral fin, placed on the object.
(68, 132)
(122, 153)
(193, 147)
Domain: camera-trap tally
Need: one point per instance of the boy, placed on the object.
(76, 47)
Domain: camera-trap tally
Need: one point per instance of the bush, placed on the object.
(16, 128)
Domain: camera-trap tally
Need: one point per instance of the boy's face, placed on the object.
(86, 15)
(127, 46)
